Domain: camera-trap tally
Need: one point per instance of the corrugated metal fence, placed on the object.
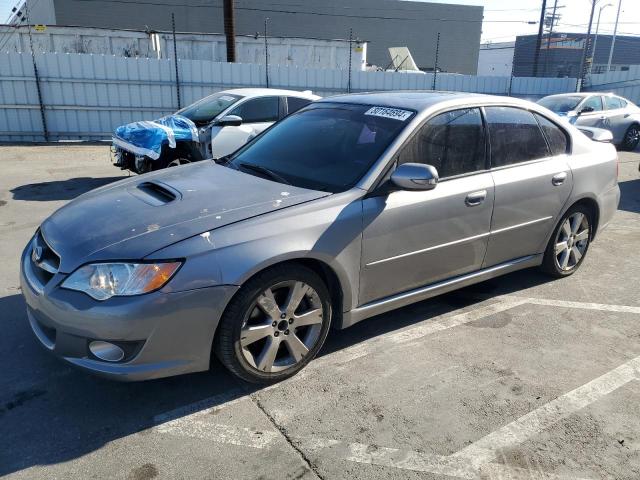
(86, 96)
(626, 84)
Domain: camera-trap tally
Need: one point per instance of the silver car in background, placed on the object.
(351, 207)
(599, 110)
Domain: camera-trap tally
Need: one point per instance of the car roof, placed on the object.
(418, 99)
(261, 92)
(583, 94)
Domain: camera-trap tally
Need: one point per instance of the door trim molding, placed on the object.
(513, 227)
(428, 249)
(422, 293)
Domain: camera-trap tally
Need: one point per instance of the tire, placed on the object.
(261, 347)
(573, 232)
(631, 138)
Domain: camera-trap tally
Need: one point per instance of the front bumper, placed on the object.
(163, 334)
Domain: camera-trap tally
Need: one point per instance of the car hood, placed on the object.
(132, 218)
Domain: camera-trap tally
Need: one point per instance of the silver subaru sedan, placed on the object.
(353, 206)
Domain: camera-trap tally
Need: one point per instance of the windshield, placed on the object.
(326, 146)
(561, 104)
(205, 110)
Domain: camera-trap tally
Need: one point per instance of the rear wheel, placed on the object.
(569, 243)
(275, 325)
(631, 138)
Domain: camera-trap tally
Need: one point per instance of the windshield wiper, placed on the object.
(264, 171)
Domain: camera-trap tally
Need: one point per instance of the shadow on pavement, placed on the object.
(52, 413)
(60, 189)
(630, 196)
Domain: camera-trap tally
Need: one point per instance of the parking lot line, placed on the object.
(582, 305)
(484, 450)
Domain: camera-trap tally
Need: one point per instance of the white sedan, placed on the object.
(212, 127)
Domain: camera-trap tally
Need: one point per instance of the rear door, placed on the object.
(532, 181)
(617, 117)
(257, 114)
(411, 239)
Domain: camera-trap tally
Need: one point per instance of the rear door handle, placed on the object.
(559, 178)
(475, 198)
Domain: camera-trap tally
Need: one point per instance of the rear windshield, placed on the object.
(561, 104)
(325, 146)
(205, 110)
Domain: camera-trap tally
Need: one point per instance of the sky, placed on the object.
(504, 19)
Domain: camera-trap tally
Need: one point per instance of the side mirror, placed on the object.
(415, 176)
(230, 121)
(585, 110)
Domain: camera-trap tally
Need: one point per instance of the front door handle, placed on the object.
(475, 198)
(559, 178)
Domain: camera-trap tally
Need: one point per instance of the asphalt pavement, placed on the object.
(520, 377)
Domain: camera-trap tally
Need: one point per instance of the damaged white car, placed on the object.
(212, 127)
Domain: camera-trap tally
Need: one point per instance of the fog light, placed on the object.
(106, 351)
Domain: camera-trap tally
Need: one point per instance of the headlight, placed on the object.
(105, 280)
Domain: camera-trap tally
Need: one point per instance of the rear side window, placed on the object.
(613, 103)
(514, 136)
(453, 142)
(295, 103)
(557, 138)
(262, 109)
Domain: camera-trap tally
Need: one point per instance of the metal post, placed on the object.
(585, 51)
(613, 39)
(435, 66)
(175, 58)
(536, 55)
(45, 130)
(266, 52)
(349, 66)
(230, 30)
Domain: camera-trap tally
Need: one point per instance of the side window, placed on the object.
(593, 102)
(262, 109)
(514, 136)
(453, 142)
(613, 103)
(556, 137)
(296, 103)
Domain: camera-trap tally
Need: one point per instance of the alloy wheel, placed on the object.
(281, 326)
(632, 137)
(572, 240)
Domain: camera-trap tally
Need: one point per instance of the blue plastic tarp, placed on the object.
(147, 138)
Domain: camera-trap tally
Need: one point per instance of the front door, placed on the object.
(257, 114)
(595, 116)
(411, 239)
(532, 181)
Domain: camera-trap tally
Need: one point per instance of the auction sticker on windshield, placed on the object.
(386, 112)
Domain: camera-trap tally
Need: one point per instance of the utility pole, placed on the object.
(536, 56)
(230, 30)
(582, 72)
(551, 25)
(45, 130)
(435, 65)
(613, 40)
(175, 58)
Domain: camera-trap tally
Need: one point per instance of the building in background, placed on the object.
(496, 59)
(384, 23)
(560, 54)
(299, 52)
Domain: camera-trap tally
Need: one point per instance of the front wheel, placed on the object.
(275, 324)
(569, 243)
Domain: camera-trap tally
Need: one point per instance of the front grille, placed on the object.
(44, 261)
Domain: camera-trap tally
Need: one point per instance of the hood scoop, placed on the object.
(155, 193)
